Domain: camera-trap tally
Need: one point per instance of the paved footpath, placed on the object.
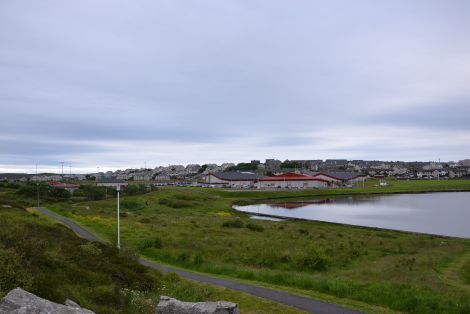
(302, 303)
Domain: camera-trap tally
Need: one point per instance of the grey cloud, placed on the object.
(443, 116)
(215, 72)
(39, 148)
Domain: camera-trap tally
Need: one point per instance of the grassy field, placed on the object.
(373, 270)
(49, 260)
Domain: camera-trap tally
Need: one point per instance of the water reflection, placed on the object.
(435, 213)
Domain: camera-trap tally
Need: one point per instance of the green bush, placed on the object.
(156, 243)
(43, 258)
(184, 257)
(45, 192)
(465, 272)
(185, 197)
(313, 258)
(145, 220)
(254, 227)
(174, 203)
(237, 223)
(132, 205)
(12, 272)
(91, 249)
(94, 193)
(135, 189)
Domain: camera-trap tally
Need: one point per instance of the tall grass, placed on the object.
(199, 230)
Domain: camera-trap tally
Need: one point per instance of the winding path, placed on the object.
(299, 302)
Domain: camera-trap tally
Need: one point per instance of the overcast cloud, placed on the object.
(114, 84)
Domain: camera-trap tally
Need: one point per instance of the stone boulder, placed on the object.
(19, 301)
(169, 305)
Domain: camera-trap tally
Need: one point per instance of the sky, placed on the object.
(123, 84)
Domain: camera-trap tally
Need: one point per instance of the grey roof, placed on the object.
(110, 180)
(344, 175)
(336, 161)
(237, 176)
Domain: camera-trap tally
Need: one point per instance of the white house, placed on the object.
(110, 182)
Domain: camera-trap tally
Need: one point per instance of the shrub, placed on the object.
(172, 277)
(45, 192)
(132, 205)
(151, 243)
(254, 227)
(183, 257)
(465, 271)
(237, 223)
(197, 259)
(313, 259)
(91, 249)
(13, 274)
(57, 194)
(174, 203)
(93, 193)
(146, 220)
(185, 197)
(385, 235)
(135, 189)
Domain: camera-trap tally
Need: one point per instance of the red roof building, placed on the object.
(61, 185)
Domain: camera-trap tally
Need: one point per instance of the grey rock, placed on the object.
(169, 305)
(71, 303)
(19, 301)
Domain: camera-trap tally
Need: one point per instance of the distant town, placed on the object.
(271, 173)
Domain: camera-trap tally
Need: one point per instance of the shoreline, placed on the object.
(285, 218)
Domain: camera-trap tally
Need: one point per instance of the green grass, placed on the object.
(465, 272)
(49, 260)
(197, 229)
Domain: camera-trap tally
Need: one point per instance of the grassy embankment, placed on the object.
(49, 260)
(197, 229)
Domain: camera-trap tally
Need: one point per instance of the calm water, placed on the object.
(436, 213)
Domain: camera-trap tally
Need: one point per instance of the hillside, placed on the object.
(50, 261)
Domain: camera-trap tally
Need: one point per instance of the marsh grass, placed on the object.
(200, 231)
(465, 272)
(50, 261)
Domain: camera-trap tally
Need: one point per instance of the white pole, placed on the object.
(37, 184)
(118, 231)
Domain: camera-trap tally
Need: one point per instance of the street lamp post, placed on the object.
(118, 231)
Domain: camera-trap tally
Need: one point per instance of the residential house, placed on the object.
(112, 182)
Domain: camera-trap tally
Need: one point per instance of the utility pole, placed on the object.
(62, 170)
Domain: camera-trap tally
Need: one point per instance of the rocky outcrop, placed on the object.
(169, 305)
(19, 301)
